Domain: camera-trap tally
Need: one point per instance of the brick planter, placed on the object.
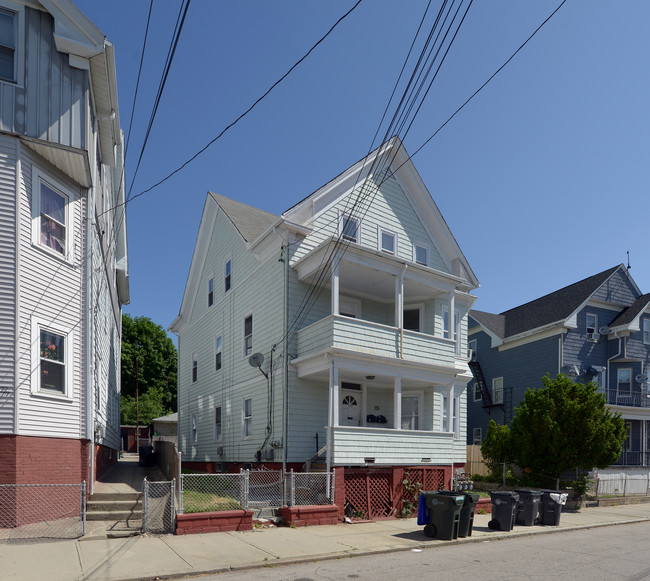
(214, 522)
(300, 516)
(484, 504)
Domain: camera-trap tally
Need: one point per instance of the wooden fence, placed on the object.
(475, 464)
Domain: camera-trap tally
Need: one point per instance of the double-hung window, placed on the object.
(195, 368)
(387, 241)
(52, 362)
(8, 43)
(53, 218)
(646, 331)
(195, 430)
(210, 291)
(248, 335)
(227, 277)
(217, 423)
(624, 380)
(477, 436)
(217, 353)
(349, 228)
(421, 254)
(247, 417)
(592, 323)
(497, 390)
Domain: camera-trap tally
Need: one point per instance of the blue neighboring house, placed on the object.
(595, 329)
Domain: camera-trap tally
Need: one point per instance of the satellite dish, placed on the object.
(604, 330)
(256, 360)
(641, 378)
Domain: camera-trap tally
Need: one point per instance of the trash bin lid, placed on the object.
(559, 497)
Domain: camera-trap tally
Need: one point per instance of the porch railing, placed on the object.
(637, 399)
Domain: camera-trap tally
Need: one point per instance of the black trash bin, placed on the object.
(443, 514)
(552, 501)
(504, 508)
(466, 513)
(144, 452)
(528, 507)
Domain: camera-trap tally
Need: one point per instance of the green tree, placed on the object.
(565, 426)
(149, 406)
(497, 449)
(147, 343)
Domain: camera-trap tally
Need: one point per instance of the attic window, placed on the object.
(421, 254)
(592, 323)
(210, 291)
(350, 228)
(227, 275)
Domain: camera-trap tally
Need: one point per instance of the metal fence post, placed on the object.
(173, 505)
(145, 503)
(292, 488)
(180, 483)
(332, 497)
(83, 508)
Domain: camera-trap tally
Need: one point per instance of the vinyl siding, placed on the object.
(256, 289)
(7, 282)
(618, 290)
(52, 291)
(389, 209)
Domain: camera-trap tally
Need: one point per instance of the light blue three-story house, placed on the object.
(324, 334)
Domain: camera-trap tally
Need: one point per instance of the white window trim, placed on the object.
(494, 380)
(475, 385)
(218, 350)
(342, 216)
(457, 319)
(380, 232)
(226, 275)
(425, 247)
(194, 429)
(420, 395)
(243, 418)
(19, 55)
(243, 330)
(208, 292)
(646, 331)
(595, 327)
(220, 437)
(195, 360)
(419, 307)
(455, 420)
(39, 176)
(476, 431)
(38, 325)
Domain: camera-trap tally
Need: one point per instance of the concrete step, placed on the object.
(116, 496)
(113, 505)
(114, 515)
(112, 529)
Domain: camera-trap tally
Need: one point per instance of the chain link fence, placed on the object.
(309, 488)
(42, 511)
(159, 514)
(253, 490)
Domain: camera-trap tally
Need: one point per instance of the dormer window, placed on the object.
(349, 228)
(646, 331)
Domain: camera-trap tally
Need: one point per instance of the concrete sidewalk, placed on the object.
(148, 556)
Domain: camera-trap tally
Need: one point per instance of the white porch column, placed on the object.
(450, 407)
(334, 395)
(399, 301)
(335, 289)
(397, 406)
(452, 318)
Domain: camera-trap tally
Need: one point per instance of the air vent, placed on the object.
(425, 460)
(369, 460)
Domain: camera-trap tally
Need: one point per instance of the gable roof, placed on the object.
(250, 222)
(551, 308)
(629, 315)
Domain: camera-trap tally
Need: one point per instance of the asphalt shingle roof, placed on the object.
(629, 314)
(555, 306)
(250, 222)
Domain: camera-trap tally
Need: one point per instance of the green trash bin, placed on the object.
(528, 507)
(504, 509)
(466, 512)
(444, 515)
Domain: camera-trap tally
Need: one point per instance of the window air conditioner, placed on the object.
(593, 337)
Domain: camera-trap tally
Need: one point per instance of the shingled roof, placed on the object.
(632, 312)
(551, 308)
(250, 222)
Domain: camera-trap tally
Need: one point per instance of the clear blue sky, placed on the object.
(543, 178)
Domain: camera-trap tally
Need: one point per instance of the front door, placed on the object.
(350, 412)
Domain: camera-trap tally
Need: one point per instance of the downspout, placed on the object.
(90, 394)
(285, 399)
(16, 426)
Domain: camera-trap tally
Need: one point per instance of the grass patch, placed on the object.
(195, 501)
